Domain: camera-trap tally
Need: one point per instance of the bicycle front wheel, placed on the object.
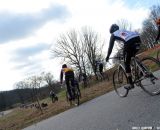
(150, 82)
(119, 81)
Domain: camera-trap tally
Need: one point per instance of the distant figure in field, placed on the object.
(99, 69)
(53, 96)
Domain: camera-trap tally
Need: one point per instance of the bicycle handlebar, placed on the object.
(119, 58)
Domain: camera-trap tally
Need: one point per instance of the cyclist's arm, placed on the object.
(158, 36)
(61, 76)
(111, 43)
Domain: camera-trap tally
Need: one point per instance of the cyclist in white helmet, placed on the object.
(131, 42)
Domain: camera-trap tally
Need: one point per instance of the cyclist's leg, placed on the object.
(130, 51)
(127, 59)
(101, 72)
(72, 83)
(68, 88)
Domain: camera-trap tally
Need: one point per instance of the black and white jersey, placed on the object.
(124, 35)
(121, 35)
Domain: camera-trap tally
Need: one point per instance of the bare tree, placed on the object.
(68, 47)
(80, 49)
(34, 83)
(155, 12)
(19, 86)
(93, 47)
(149, 30)
(148, 33)
(124, 24)
(48, 78)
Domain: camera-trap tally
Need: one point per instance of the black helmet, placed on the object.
(113, 28)
(64, 66)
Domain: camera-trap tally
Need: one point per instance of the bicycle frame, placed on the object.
(139, 67)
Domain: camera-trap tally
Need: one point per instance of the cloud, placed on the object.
(21, 53)
(28, 56)
(29, 67)
(15, 26)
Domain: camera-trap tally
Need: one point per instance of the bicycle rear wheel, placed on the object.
(77, 97)
(150, 83)
(67, 98)
(119, 81)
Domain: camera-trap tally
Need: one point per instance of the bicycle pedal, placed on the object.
(128, 87)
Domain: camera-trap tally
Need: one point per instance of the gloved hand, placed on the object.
(107, 58)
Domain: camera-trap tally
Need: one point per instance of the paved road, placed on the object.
(108, 112)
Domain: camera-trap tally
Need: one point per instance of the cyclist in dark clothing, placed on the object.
(131, 42)
(101, 68)
(69, 77)
(158, 24)
(53, 96)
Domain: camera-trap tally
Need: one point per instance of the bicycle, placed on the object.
(145, 74)
(75, 92)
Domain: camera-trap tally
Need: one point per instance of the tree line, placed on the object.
(29, 90)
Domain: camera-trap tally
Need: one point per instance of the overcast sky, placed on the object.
(28, 29)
